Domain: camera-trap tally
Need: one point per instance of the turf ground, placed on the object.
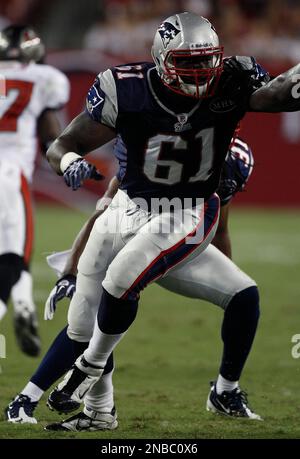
(172, 351)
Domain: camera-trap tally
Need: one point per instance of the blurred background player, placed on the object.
(236, 172)
(32, 93)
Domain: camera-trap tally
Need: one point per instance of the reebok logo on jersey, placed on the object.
(219, 105)
(168, 32)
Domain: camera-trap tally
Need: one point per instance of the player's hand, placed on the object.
(241, 70)
(64, 288)
(235, 71)
(78, 171)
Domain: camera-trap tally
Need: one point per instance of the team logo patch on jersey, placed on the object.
(220, 105)
(168, 32)
(182, 124)
(94, 99)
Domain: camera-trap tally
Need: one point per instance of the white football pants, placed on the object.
(116, 259)
(16, 221)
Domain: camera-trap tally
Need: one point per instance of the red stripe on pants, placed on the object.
(25, 191)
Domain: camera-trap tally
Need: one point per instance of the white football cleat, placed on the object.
(87, 420)
(71, 391)
(20, 410)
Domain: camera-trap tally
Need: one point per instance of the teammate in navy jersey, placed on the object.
(236, 171)
(173, 124)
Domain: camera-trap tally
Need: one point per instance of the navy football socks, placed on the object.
(238, 332)
(57, 361)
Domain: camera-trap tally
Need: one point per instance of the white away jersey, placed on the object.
(27, 90)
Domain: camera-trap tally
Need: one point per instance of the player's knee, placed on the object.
(123, 273)
(115, 315)
(11, 266)
(77, 332)
(81, 318)
(246, 303)
(87, 265)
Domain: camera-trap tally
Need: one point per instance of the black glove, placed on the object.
(242, 72)
(78, 171)
(64, 288)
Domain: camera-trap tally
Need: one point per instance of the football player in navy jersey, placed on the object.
(173, 123)
(194, 282)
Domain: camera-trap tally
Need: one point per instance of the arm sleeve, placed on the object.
(101, 100)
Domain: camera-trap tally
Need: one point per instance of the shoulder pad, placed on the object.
(131, 85)
(101, 100)
(53, 84)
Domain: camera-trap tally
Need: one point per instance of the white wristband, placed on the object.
(68, 159)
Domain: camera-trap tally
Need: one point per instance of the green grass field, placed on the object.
(172, 351)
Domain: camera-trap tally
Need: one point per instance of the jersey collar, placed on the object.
(180, 115)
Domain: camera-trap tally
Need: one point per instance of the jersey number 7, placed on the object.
(17, 97)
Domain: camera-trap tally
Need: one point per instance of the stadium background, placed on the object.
(161, 384)
(87, 36)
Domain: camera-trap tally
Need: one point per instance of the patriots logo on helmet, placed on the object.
(168, 32)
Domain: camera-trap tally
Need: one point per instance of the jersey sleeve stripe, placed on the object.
(240, 143)
(239, 150)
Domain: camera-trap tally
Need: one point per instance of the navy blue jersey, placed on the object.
(236, 170)
(167, 145)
